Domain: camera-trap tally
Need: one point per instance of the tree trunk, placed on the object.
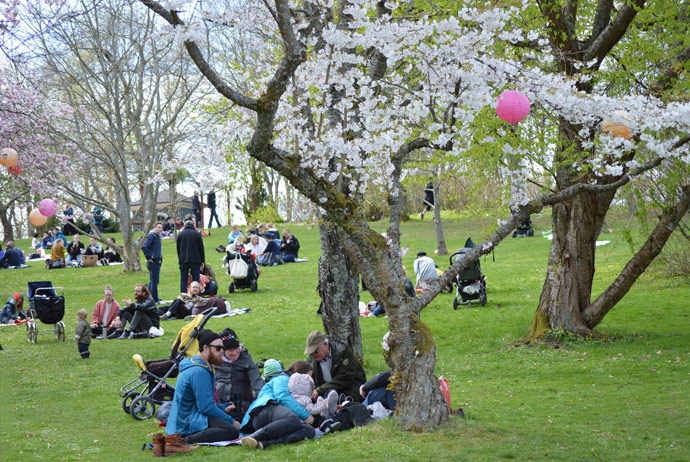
(130, 251)
(6, 225)
(438, 226)
(339, 293)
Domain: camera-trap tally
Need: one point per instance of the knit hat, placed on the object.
(314, 339)
(206, 337)
(230, 342)
(421, 254)
(271, 366)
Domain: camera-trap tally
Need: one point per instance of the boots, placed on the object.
(115, 334)
(159, 445)
(175, 443)
(252, 441)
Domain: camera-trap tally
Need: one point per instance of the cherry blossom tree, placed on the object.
(396, 83)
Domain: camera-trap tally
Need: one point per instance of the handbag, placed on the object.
(238, 268)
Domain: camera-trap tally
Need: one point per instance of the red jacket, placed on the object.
(99, 309)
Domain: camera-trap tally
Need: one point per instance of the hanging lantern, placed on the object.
(47, 207)
(36, 218)
(513, 106)
(8, 157)
(15, 170)
(617, 129)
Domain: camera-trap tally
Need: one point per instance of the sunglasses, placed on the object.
(217, 347)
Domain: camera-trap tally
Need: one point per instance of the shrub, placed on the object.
(266, 214)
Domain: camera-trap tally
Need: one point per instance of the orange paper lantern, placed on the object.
(8, 157)
(617, 129)
(36, 218)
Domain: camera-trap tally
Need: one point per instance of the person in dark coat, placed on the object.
(153, 251)
(140, 314)
(13, 256)
(289, 247)
(428, 197)
(190, 254)
(196, 209)
(335, 366)
(211, 204)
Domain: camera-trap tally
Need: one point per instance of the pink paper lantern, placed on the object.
(47, 207)
(513, 106)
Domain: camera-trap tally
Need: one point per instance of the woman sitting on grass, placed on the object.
(183, 304)
(104, 314)
(13, 310)
(141, 315)
(57, 255)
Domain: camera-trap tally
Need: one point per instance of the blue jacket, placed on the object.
(276, 389)
(152, 247)
(59, 235)
(193, 402)
(14, 257)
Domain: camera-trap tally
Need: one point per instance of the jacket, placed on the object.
(190, 245)
(148, 307)
(9, 313)
(193, 401)
(13, 257)
(380, 380)
(99, 309)
(276, 389)
(82, 333)
(153, 247)
(211, 200)
(74, 248)
(301, 387)
(241, 376)
(346, 373)
(292, 248)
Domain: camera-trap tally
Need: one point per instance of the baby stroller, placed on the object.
(470, 282)
(242, 270)
(150, 388)
(524, 228)
(46, 305)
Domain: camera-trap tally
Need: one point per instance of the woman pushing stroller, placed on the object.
(140, 314)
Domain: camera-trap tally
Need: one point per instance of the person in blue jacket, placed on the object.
(153, 251)
(194, 414)
(275, 417)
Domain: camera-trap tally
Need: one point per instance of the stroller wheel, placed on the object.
(142, 408)
(231, 287)
(59, 331)
(455, 303)
(127, 401)
(253, 286)
(29, 333)
(482, 298)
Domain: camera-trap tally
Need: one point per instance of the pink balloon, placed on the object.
(47, 207)
(513, 106)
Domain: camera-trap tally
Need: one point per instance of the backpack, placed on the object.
(352, 415)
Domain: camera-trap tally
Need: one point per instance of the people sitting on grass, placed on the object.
(335, 366)
(194, 415)
(256, 246)
(104, 314)
(207, 279)
(425, 271)
(57, 255)
(47, 241)
(289, 247)
(271, 254)
(376, 309)
(13, 256)
(183, 304)
(74, 250)
(95, 248)
(238, 379)
(141, 315)
(275, 417)
(110, 253)
(13, 310)
(57, 234)
(35, 242)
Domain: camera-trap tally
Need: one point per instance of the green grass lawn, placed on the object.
(625, 397)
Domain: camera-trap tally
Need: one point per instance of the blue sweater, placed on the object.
(276, 389)
(193, 402)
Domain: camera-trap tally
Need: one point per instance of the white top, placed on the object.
(425, 269)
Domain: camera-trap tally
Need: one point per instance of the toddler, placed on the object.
(82, 334)
(302, 387)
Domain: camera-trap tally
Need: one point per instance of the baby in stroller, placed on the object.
(470, 282)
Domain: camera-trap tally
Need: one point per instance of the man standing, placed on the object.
(428, 197)
(289, 246)
(196, 209)
(194, 416)
(153, 251)
(335, 366)
(425, 270)
(211, 204)
(190, 254)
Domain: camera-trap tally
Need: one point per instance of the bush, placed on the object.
(111, 226)
(676, 256)
(266, 214)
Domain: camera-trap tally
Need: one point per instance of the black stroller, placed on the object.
(46, 305)
(150, 388)
(470, 283)
(249, 281)
(524, 228)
